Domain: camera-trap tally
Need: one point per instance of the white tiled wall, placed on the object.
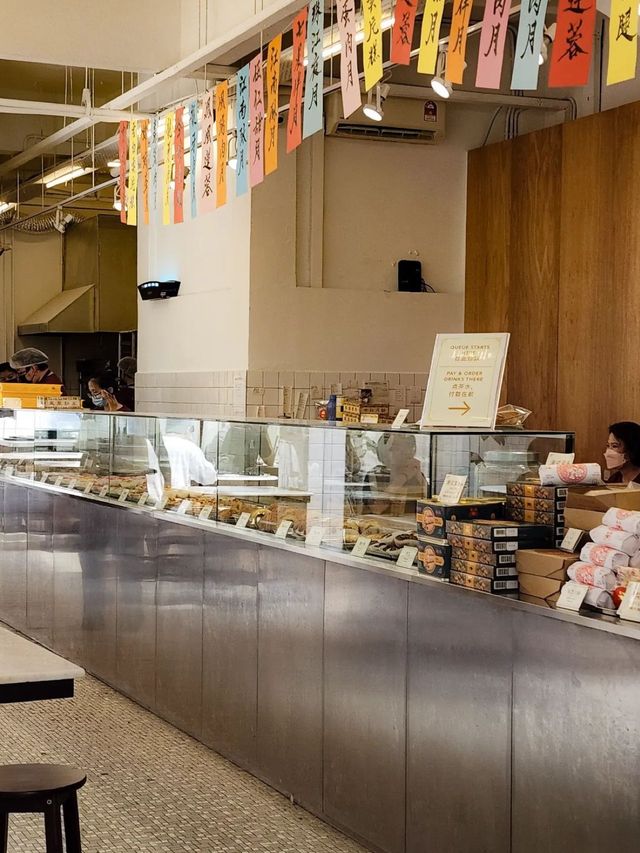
(216, 394)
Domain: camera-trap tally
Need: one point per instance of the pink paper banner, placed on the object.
(178, 168)
(349, 75)
(256, 131)
(206, 181)
(492, 39)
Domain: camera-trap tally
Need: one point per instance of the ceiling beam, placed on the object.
(13, 106)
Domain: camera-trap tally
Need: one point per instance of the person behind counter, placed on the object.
(7, 373)
(622, 454)
(103, 397)
(32, 365)
(127, 367)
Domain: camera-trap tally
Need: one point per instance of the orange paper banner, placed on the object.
(402, 33)
(144, 168)
(122, 178)
(222, 105)
(273, 87)
(294, 121)
(178, 168)
(458, 41)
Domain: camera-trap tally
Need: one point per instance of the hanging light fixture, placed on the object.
(233, 151)
(548, 38)
(440, 85)
(373, 110)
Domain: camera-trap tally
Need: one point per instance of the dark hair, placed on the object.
(104, 380)
(43, 365)
(628, 432)
(6, 366)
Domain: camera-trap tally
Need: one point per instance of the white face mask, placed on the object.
(614, 459)
(97, 400)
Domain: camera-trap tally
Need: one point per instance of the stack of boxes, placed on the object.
(536, 504)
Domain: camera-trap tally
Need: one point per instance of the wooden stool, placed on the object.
(46, 788)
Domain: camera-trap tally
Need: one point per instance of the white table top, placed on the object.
(23, 661)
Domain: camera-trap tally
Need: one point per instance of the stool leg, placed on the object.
(72, 825)
(4, 832)
(53, 827)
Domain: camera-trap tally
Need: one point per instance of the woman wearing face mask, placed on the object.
(102, 396)
(622, 454)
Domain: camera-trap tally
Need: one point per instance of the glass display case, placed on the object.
(311, 483)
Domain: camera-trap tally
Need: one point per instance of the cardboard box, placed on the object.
(497, 531)
(600, 498)
(434, 557)
(533, 489)
(483, 570)
(582, 519)
(538, 590)
(431, 515)
(480, 557)
(483, 584)
(546, 563)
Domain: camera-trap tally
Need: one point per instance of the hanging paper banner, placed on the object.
(372, 45)
(144, 168)
(154, 163)
(457, 46)
(528, 43)
(429, 36)
(167, 168)
(349, 74)
(122, 177)
(573, 44)
(132, 187)
(256, 117)
(623, 42)
(314, 84)
(242, 131)
(178, 169)
(206, 193)
(294, 120)
(492, 40)
(273, 104)
(222, 104)
(402, 32)
(193, 156)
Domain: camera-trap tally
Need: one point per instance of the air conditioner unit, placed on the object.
(405, 120)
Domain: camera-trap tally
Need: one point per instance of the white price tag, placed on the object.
(559, 458)
(572, 596)
(184, 507)
(103, 491)
(143, 499)
(362, 546)
(205, 513)
(452, 489)
(243, 519)
(124, 494)
(161, 504)
(57, 481)
(43, 477)
(88, 487)
(630, 607)
(283, 529)
(572, 538)
(369, 419)
(314, 536)
(407, 557)
(72, 484)
(400, 418)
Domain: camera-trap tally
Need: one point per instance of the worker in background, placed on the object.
(7, 373)
(126, 392)
(32, 365)
(103, 396)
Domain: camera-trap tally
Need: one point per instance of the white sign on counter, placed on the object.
(407, 557)
(314, 536)
(361, 547)
(184, 507)
(283, 529)
(572, 595)
(205, 513)
(243, 519)
(452, 489)
(400, 418)
(630, 606)
(143, 499)
(124, 494)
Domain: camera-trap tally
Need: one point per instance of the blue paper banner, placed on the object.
(242, 131)
(193, 156)
(153, 158)
(313, 90)
(528, 44)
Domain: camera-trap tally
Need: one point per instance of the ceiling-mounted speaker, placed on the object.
(158, 289)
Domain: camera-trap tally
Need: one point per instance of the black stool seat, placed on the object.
(46, 789)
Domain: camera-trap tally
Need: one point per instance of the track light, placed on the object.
(373, 110)
(440, 85)
(233, 151)
(547, 39)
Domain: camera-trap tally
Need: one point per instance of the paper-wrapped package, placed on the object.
(616, 538)
(593, 575)
(599, 598)
(566, 474)
(602, 555)
(627, 519)
(627, 574)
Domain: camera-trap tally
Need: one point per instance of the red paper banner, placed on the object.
(573, 44)
(402, 33)
(122, 178)
(294, 121)
(178, 168)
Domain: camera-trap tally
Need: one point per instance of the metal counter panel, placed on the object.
(179, 626)
(458, 722)
(576, 730)
(68, 599)
(365, 704)
(230, 648)
(40, 566)
(13, 571)
(290, 625)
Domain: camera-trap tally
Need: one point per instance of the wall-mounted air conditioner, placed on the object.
(413, 120)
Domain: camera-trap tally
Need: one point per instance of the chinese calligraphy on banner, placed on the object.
(122, 177)
(313, 91)
(372, 45)
(242, 131)
(144, 168)
(573, 44)
(256, 114)
(402, 33)
(623, 41)
(132, 190)
(178, 169)
(492, 40)
(349, 74)
(222, 105)
(294, 120)
(193, 156)
(429, 35)
(206, 183)
(154, 163)
(273, 87)
(528, 43)
(457, 46)
(167, 169)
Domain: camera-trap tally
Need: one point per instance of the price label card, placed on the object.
(143, 499)
(184, 507)
(72, 484)
(369, 419)
(572, 540)
(314, 536)
(205, 513)
(572, 596)
(243, 519)
(407, 557)
(362, 546)
(400, 418)
(559, 458)
(57, 481)
(88, 487)
(630, 607)
(43, 477)
(161, 504)
(452, 489)
(103, 491)
(124, 494)
(283, 529)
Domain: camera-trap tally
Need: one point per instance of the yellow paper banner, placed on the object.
(623, 41)
(429, 35)
(222, 104)
(167, 151)
(372, 45)
(132, 186)
(273, 85)
(144, 168)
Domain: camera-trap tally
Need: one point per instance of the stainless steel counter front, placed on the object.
(416, 716)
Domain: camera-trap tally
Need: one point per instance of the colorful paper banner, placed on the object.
(144, 168)
(178, 169)
(457, 46)
(154, 163)
(314, 85)
(623, 42)
(273, 88)
(349, 74)
(372, 45)
(242, 131)
(573, 45)
(528, 43)
(206, 183)
(132, 186)
(402, 32)
(193, 156)
(222, 105)
(122, 177)
(256, 117)
(294, 119)
(429, 36)
(167, 168)
(492, 40)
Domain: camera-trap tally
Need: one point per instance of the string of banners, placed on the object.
(246, 130)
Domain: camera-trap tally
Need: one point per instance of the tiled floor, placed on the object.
(150, 787)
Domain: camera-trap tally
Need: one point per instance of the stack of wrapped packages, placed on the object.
(611, 560)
